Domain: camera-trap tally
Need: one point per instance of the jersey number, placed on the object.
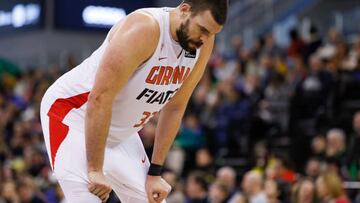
(144, 119)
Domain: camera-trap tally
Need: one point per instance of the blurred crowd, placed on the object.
(266, 124)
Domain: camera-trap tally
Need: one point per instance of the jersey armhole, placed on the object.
(160, 36)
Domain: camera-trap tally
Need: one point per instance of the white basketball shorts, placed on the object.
(125, 163)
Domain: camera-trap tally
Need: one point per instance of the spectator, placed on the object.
(313, 168)
(329, 189)
(304, 192)
(232, 115)
(8, 193)
(176, 195)
(196, 188)
(297, 45)
(252, 186)
(318, 146)
(272, 191)
(313, 44)
(227, 176)
(353, 154)
(28, 193)
(336, 145)
(219, 192)
(204, 162)
(270, 48)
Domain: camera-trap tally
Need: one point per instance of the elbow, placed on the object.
(175, 108)
(98, 100)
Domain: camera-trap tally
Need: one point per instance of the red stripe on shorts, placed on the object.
(57, 129)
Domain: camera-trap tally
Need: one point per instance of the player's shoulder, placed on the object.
(139, 25)
(143, 21)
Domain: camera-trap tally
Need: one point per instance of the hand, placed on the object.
(98, 185)
(157, 189)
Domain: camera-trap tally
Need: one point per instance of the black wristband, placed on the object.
(155, 170)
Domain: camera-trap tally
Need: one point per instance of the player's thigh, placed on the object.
(126, 167)
(128, 195)
(77, 192)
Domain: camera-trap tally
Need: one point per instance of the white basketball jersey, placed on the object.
(151, 86)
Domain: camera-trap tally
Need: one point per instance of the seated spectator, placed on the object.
(318, 147)
(218, 192)
(9, 193)
(196, 188)
(313, 168)
(205, 162)
(297, 45)
(176, 195)
(353, 154)
(336, 146)
(272, 191)
(227, 175)
(252, 186)
(304, 192)
(231, 117)
(28, 193)
(329, 189)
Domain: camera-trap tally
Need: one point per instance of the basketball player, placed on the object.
(150, 61)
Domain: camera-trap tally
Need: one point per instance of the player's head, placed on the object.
(200, 19)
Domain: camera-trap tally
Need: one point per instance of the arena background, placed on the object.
(276, 117)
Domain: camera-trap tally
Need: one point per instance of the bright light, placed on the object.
(5, 18)
(32, 13)
(100, 16)
(20, 15)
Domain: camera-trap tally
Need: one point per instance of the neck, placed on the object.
(174, 22)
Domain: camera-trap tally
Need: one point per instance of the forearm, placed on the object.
(167, 128)
(97, 123)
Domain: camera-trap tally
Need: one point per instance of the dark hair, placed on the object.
(218, 8)
(199, 178)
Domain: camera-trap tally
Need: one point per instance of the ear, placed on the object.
(185, 9)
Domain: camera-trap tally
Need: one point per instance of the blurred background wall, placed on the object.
(60, 33)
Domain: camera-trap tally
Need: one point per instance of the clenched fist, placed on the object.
(98, 185)
(157, 189)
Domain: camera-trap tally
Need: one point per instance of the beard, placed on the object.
(184, 40)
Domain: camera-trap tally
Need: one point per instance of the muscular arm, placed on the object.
(172, 113)
(133, 42)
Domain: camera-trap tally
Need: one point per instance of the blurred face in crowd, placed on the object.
(334, 35)
(315, 63)
(318, 144)
(26, 192)
(195, 29)
(269, 41)
(329, 186)
(271, 173)
(9, 191)
(218, 192)
(321, 189)
(266, 61)
(191, 121)
(356, 122)
(252, 183)
(203, 158)
(271, 189)
(227, 175)
(193, 189)
(306, 192)
(313, 168)
(335, 140)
